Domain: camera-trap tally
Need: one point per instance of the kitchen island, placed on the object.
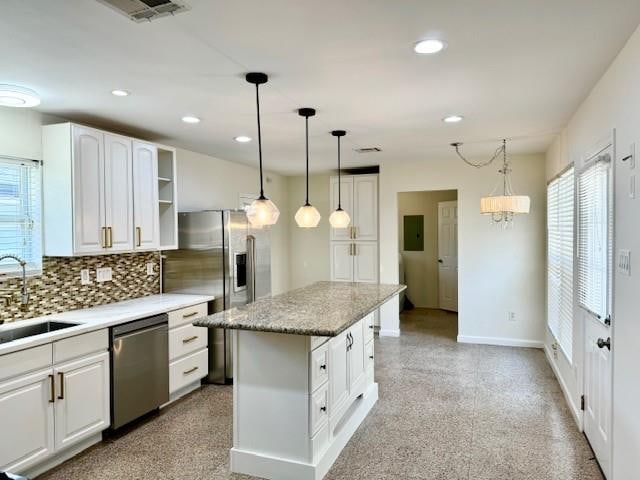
(303, 376)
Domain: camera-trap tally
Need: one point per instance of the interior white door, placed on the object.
(341, 262)
(365, 207)
(118, 193)
(346, 202)
(26, 417)
(365, 262)
(82, 399)
(88, 190)
(145, 196)
(597, 389)
(338, 372)
(448, 255)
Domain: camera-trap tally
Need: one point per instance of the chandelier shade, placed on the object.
(515, 204)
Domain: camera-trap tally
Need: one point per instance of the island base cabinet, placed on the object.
(296, 409)
(26, 419)
(82, 399)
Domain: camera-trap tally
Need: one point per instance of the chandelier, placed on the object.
(502, 203)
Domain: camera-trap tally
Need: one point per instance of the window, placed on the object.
(560, 213)
(595, 236)
(20, 187)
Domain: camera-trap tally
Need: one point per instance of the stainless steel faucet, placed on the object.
(24, 296)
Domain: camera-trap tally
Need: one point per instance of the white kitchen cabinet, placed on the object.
(339, 376)
(88, 191)
(365, 207)
(82, 399)
(341, 261)
(354, 262)
(356, 358)
(145, 196)
(118, 192)
(27, 420)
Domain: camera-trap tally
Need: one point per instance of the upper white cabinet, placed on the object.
(145, 196)
(101, 193)
(360, 200)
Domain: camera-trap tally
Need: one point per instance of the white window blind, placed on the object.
(20, 190)
(594, 236)
(560, 220)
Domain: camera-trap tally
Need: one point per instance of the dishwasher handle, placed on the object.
(139, 325)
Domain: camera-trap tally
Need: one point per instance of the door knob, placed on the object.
(604, 343)
(440, 260)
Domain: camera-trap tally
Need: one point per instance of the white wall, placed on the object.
(206, 182)
(499, 270)
(421, 267)
(21, 132)
(309, 247)
(614, 103)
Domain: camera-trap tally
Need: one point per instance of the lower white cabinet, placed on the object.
(56, 406)
(354, 262)
(82, 399)
(339, 364)
(27, 420)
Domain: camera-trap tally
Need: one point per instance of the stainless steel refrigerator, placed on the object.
(220, 254)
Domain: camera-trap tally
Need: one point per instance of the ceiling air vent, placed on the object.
(146, 10)
(368, 150)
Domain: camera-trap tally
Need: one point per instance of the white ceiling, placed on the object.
(515, 69)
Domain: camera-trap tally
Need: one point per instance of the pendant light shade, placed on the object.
(262, 211)
(307, 215)
(339, 218)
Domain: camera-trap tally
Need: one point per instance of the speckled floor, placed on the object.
(447, 411)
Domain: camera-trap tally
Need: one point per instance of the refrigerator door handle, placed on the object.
(251, 267)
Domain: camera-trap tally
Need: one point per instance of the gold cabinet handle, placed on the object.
(189, 315)
(110, 236)
(355, 250)
(190, 339)
(191, 370)
(138, 236)
(104, 237)
(61, 396)
(52, 389)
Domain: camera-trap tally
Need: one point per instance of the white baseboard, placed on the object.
(61, 457)
(573, 408)
(501, 341)
(389, 333)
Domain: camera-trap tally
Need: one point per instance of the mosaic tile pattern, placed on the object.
(58, 289)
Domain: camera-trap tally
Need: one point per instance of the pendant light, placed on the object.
(262, 211)
(339, 218)
(307, 215)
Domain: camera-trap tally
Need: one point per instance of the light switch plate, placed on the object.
(104, 274)
(624, 262)
(85, 276)
(150, 269)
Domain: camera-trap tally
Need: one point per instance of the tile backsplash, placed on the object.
(59, 289)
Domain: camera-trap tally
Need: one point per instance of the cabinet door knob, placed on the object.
(139, 236)
(323, 367)
(324, 409)
(604, 343)
(371, 357)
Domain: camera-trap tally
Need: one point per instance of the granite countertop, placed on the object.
(323, 309)
(96, 318)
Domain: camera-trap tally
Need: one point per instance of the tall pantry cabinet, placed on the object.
(354, 250)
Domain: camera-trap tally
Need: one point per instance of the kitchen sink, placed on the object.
(17, 333)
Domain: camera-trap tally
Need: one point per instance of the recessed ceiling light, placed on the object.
(120, 93)
(190, 119)
(428, 46)
(242, 139)
(14, 96)
(453, 119)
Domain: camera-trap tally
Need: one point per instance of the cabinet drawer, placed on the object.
(187, 315)
(369, 355)
(319, 367)
(318, 406)
(367, 325)
(186, 339)
(24, 361)
(80, 345)
(187, 370)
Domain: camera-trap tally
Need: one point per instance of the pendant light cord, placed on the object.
(306, 127)
(339, 183)
(262, 197)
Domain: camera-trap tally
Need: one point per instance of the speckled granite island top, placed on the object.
(323, 309)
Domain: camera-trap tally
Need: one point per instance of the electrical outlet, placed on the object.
(512, 316)
(150, 269)
(85, 276)
(104, 274)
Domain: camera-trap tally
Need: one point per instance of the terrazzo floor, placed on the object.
(447, 411)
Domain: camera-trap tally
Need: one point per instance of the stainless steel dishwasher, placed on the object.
(139, 368)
